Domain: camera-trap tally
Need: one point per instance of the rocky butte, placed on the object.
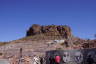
(42, 38)
(50, 30)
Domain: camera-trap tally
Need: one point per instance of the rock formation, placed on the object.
(50, 30)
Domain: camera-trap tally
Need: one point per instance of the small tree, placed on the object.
(1, 54)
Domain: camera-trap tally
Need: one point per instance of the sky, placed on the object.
(16, 16)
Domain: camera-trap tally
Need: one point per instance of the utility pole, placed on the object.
(20, 56)
(88, 43)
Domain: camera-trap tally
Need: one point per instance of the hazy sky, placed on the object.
(16, 16)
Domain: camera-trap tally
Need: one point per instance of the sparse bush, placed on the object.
(76, 43)
(1, 54)
(3, 43)
(62, 44)
(58, 48)
(65, 44)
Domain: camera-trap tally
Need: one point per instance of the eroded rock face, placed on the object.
(89, 44)
(35, 29)
(50, 30)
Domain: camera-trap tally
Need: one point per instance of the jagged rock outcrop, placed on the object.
(50, 30)
(89, 44)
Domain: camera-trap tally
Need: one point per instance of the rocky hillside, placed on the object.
(40, 39)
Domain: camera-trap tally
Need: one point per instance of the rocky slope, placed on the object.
(40, 39)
